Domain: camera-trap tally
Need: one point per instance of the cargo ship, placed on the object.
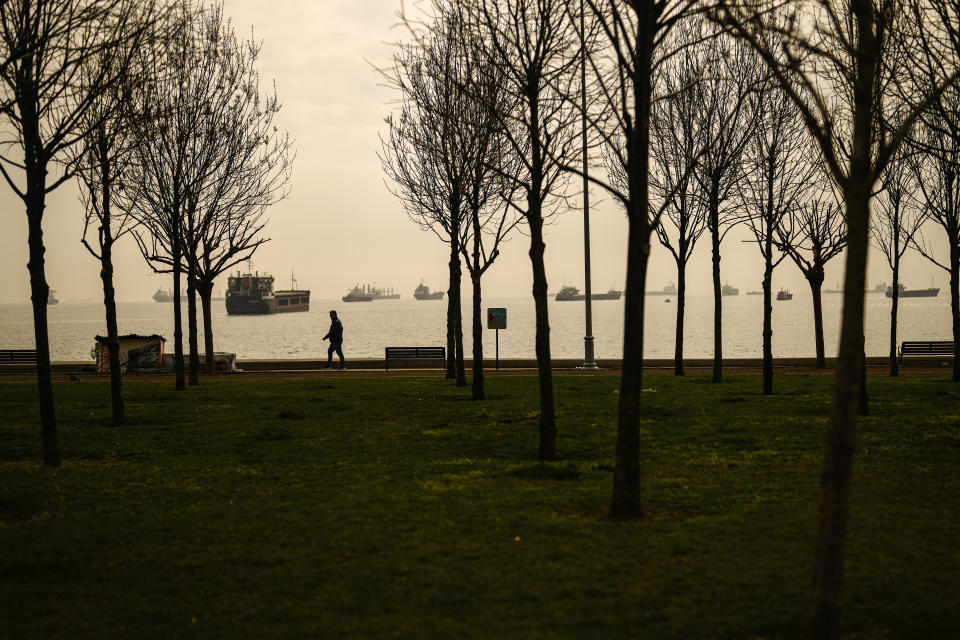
(783, 294)
(423, 293)
(52, 299)
(669, 290)
(253, 294)
(567, 294)
(166, 295)
(903, 292)
(727, 290)
(357, 294)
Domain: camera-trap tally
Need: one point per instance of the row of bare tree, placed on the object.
(790, 117)
(156, 107)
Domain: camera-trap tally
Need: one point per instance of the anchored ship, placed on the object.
(253, 294)
(783, 294)
(357, 294)
(903, 292)
(727, 290)
(567, 294)
(423, 293)
(669, 290)
(52, 299)
(166, 295)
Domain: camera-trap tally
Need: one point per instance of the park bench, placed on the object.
(410, 354)
(18, 356)
(926, 348)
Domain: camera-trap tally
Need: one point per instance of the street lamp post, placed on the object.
(588, 359)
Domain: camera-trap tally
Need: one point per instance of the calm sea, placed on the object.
(371, 326)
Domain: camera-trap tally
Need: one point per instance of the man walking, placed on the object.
(335, 335)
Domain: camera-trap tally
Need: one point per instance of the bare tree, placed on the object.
(725, 113)
(898, 219)
(846, 54)
(938, 176)
(777, 174)
(535, 45)
(47, 47)
(100, 160)
(633, 41)
(813, 234)
(675, 148)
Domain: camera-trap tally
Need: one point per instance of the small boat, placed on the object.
(783, 294)
(903, 292)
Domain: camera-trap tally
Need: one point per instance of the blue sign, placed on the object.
(496, 318)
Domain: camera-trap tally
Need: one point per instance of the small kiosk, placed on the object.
(137, 353)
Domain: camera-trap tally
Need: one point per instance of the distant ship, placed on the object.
(357, 294)
(423, 293)
(837, 290)
(880, 288)
(52, 299)
(727, 290)
(253, 294)
(913, 293)
(567, 294)
(783, 294)
(754, 293)
(669, 290)
(166, 295)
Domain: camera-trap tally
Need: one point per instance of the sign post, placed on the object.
(497, 319)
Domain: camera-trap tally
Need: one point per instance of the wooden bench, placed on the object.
(435, 354)
(18, 356)
(925, 348)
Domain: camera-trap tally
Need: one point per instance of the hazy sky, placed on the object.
(340, 226)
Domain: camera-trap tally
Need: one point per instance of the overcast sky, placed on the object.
(340, 226)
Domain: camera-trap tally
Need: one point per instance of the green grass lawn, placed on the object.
(398, 507)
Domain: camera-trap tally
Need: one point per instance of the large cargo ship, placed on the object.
(357, 294)
(567, 294)
(913, 293)
(423, 293)
(253, 294)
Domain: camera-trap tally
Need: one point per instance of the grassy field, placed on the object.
(398, 507)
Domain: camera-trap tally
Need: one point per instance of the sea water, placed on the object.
(371, 326)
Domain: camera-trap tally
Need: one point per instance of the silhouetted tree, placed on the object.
(813, 234)
(777, 174)
(49, 82)
(100, 161)
(847, 55)
(725, 113)
(535, 46)
(897, 220)
(938, 177)
(675, 148)
(632, 42)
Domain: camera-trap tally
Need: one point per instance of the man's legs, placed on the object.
(330, 351)
(339, 348)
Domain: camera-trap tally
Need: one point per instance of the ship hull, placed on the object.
(352, 298)
(281, 302)
(915, 293)
(438, 295)
(610, 295)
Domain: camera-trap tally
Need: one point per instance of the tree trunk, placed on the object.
(717, 294)
(955, 300)
(477, 337)
(548, 426)
(109, 294)
(768, 317)
(863, 404)
(453, 302)
(816, 290)
(205, 289)
(39, 292)
(681, 302)
(181, 383)
(626, 474)
(194, 378)
(110, 308)
(841, 435)
(894, 307)
(458, 332)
